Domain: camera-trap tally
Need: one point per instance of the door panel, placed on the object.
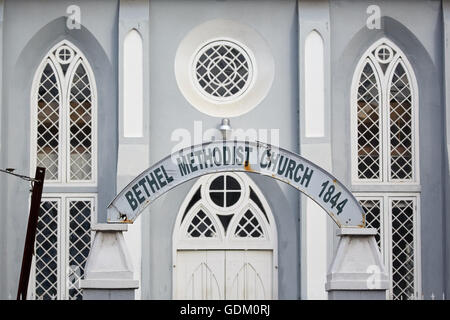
(218, 275)
(248, 275)
(200, 275)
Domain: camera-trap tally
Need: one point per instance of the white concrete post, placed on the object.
(357, 270)
(109, 272)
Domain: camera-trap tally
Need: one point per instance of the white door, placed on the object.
(248, 275)
(224, 274)
(200, 275)
(225, 241)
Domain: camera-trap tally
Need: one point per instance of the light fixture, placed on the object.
(225, 128)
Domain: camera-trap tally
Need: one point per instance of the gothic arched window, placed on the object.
(384, 125)
(225, 207)
(385, 160)
(64, 141)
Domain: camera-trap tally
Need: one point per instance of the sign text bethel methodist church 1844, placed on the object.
(254, 157)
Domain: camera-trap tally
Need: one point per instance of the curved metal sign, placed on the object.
(222, 156)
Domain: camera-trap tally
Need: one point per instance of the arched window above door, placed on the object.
(225, 209)
(225, 241)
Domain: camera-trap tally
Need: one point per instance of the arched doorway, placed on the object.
(225, 241)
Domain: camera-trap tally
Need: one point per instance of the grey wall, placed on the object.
(169, 110)
(30, 30)
(446, 225)
(415, 27)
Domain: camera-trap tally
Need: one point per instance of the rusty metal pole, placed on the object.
(31, 233)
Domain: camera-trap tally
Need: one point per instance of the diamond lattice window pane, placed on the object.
(401, 140)
(402, 249)
(223, 69)
(80, 126)
(368, 125)
(46, 252)
(79, 244)
(201, 226)
(48, 114)
(249, 227)
(372, 209)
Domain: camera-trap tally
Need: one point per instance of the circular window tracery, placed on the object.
(64, 54)
(243, 217)
(384, 54)
(223, 70)
(225, 191)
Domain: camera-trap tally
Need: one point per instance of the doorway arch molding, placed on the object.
(239, 156)
(249, 233)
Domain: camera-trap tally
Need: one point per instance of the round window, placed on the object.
(384, 54)
(223, 70)
(225, 191)
(64, 54)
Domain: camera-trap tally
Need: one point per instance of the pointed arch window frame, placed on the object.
(226, 239)
(229, 242)
(65, 82)
(192, 213)
(384, 80)
(263, 223)
(385, 189)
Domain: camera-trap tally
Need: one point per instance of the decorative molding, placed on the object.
(314, 16)
(446, 42)
(252, 46)
(134, 152)
(134, 15)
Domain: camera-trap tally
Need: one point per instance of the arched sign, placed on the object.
(222, 156)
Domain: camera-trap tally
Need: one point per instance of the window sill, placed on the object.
(398, 187)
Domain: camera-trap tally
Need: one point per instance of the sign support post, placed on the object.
(31, 233)
(357, 271)
(109, 271)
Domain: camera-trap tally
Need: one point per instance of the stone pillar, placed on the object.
(109, 272)
(357, 270)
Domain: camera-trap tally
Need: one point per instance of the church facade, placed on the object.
(98, 91)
